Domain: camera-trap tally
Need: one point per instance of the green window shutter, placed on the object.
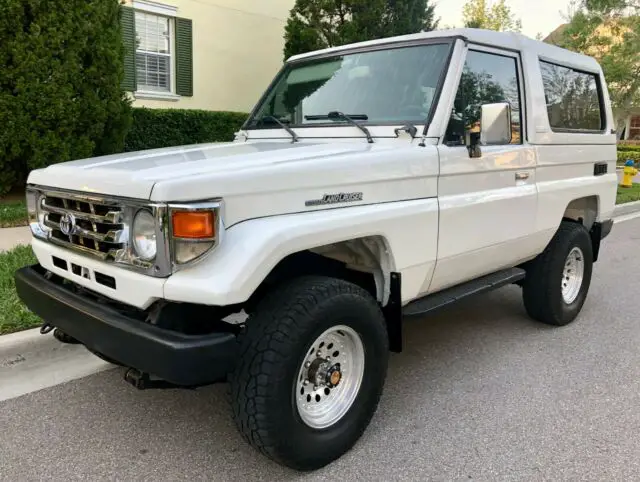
(128, 29)
(184, 57)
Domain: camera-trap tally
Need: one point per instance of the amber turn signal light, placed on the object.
(193, 224)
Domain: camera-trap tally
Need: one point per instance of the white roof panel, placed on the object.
(507, 40)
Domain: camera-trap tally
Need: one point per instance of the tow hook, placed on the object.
(143, 381)
(46, 328)
(137, 378)
(62, 337)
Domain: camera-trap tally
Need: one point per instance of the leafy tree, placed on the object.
(61, 64)
(609, 31)
(317, 24)
(497, 16)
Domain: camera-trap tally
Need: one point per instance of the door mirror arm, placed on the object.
(472, 141)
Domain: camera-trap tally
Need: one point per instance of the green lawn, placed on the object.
(14, 316)
(13, 213)
(628, 194)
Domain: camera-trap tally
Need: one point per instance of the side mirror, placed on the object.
(495, 124)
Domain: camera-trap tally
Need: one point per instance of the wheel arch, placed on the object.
(584, 210)
(366, 261)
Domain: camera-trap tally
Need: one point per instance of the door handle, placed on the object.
(522, 176)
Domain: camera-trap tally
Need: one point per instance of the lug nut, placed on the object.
(307, 365)
(318, 354)
(306, 382)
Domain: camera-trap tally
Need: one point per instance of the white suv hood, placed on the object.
(254, 178)
(135, 174)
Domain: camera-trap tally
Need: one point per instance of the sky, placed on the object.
(537, 15)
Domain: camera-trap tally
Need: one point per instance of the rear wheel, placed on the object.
(558, 280)
(311, 371)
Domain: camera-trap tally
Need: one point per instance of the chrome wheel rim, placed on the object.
(330, 376)
(572, 275)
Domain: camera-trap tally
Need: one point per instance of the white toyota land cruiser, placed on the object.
(372, 182)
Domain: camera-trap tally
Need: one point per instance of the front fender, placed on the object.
(248, 251)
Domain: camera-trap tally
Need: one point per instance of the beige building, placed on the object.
(202, 54)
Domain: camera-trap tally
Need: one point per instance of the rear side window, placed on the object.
(573, 99)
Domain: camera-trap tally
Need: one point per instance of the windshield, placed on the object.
(391, 86)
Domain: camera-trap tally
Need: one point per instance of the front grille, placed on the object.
(94, 226)
(102, 227)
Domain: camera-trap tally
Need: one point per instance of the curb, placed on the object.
(627, 208)
(30, 361)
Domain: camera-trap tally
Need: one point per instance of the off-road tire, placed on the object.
(277, 338)
(542, 288)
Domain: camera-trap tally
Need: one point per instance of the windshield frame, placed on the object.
(251, 121)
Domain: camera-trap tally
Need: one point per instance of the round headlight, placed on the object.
(144, 235)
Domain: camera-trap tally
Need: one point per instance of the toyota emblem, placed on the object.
(67, 224)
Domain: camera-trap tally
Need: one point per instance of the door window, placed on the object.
(486, 79)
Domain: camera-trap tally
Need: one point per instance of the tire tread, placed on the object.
(540, 284)
(265, 343)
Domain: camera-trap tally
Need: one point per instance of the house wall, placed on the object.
(633, 129)
(631, 126)
(237, 50)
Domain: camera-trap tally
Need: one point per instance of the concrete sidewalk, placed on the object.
(12, 237)
(30, 361)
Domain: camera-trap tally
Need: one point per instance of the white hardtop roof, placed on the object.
(507, 40)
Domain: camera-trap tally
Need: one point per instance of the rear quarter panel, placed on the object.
(565, 160)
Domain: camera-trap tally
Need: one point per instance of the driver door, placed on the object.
(487, 203)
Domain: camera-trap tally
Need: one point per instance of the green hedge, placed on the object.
(624, 156)
(153, 128)
(629, 147)
(61, 67)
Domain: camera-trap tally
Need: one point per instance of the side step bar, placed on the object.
(450, 295)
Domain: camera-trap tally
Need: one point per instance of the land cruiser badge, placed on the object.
(343, 197)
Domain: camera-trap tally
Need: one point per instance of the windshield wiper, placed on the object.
(294, 136)
(351, 119)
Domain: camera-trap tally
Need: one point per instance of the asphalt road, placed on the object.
(481, 393)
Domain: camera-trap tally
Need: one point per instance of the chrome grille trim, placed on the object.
(102, 227)
(112, 217)
(113, 236)
(101, 234)
(81, 249)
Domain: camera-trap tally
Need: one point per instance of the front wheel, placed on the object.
(558, 280)
(311, 372)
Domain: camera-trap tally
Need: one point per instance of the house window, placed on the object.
(158, 61)
(154, 52)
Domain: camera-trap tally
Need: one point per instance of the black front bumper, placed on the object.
(187, 360)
